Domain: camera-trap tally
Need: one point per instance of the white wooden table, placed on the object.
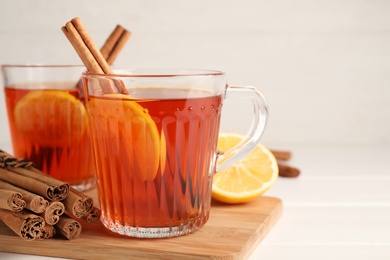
(339, 208)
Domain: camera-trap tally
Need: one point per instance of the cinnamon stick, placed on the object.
(7, 160)
(43, 185)
(26, 225)
(57, 191)
(20, 177)
(79, 43)
(288, 171)
(47, 231)
(78, 204)
(90, 55)
(53, 212)
(93, 216)
(69, 227)
(34, 202)
(11, 200)
(110, 50)
(114, 44)
(17, 176)
(282, 155)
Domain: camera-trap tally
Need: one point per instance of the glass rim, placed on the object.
(37, 65)
(156, 73)
(123, 72)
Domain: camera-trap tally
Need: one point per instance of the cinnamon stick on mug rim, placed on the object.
(114, 44)
(110, 50)
(85, 47)
(90, 55)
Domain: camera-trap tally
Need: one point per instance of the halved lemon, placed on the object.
(50, 117)
(125, 127)
(247, 179)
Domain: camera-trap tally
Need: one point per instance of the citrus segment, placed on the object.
(128, 126)
(50, 117)
(163, 152)
(247, 179)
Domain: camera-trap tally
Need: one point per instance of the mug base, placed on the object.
(155, 232)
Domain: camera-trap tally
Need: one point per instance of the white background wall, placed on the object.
(324, 65)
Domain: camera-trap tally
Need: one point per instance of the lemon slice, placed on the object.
(127, 125)
(247, 179)
(50, 117)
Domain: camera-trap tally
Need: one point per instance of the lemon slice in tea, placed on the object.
(248, 178)
(128, 128)
(50, 117)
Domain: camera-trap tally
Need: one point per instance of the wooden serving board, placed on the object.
(232, 232)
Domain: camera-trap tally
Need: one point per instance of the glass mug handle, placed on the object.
(259, 121)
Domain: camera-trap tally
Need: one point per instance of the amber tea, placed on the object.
(176, 189)
(155, 148)
(49, 126)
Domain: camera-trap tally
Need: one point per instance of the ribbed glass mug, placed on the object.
(48, 122)
(155, 146)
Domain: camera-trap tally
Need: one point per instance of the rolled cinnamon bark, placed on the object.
(35, 182)
(288, 171)
(55, 190)
(282, 155)
(53, 212)
(34, 202)
(114, 44)
(26, 225)
(78, 204)
(7, 160)
(44, 185)
(47, 231)
(69, 227)
(110, 50)
(11, 200)
(90, 55)
(75, 27)
(93, 216)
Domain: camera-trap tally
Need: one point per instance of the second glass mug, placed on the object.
(155, 146)
(48, 122)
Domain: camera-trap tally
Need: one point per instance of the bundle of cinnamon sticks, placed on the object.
(37, 206)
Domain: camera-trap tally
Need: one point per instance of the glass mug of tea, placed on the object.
(48, 122)
(154, 134)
